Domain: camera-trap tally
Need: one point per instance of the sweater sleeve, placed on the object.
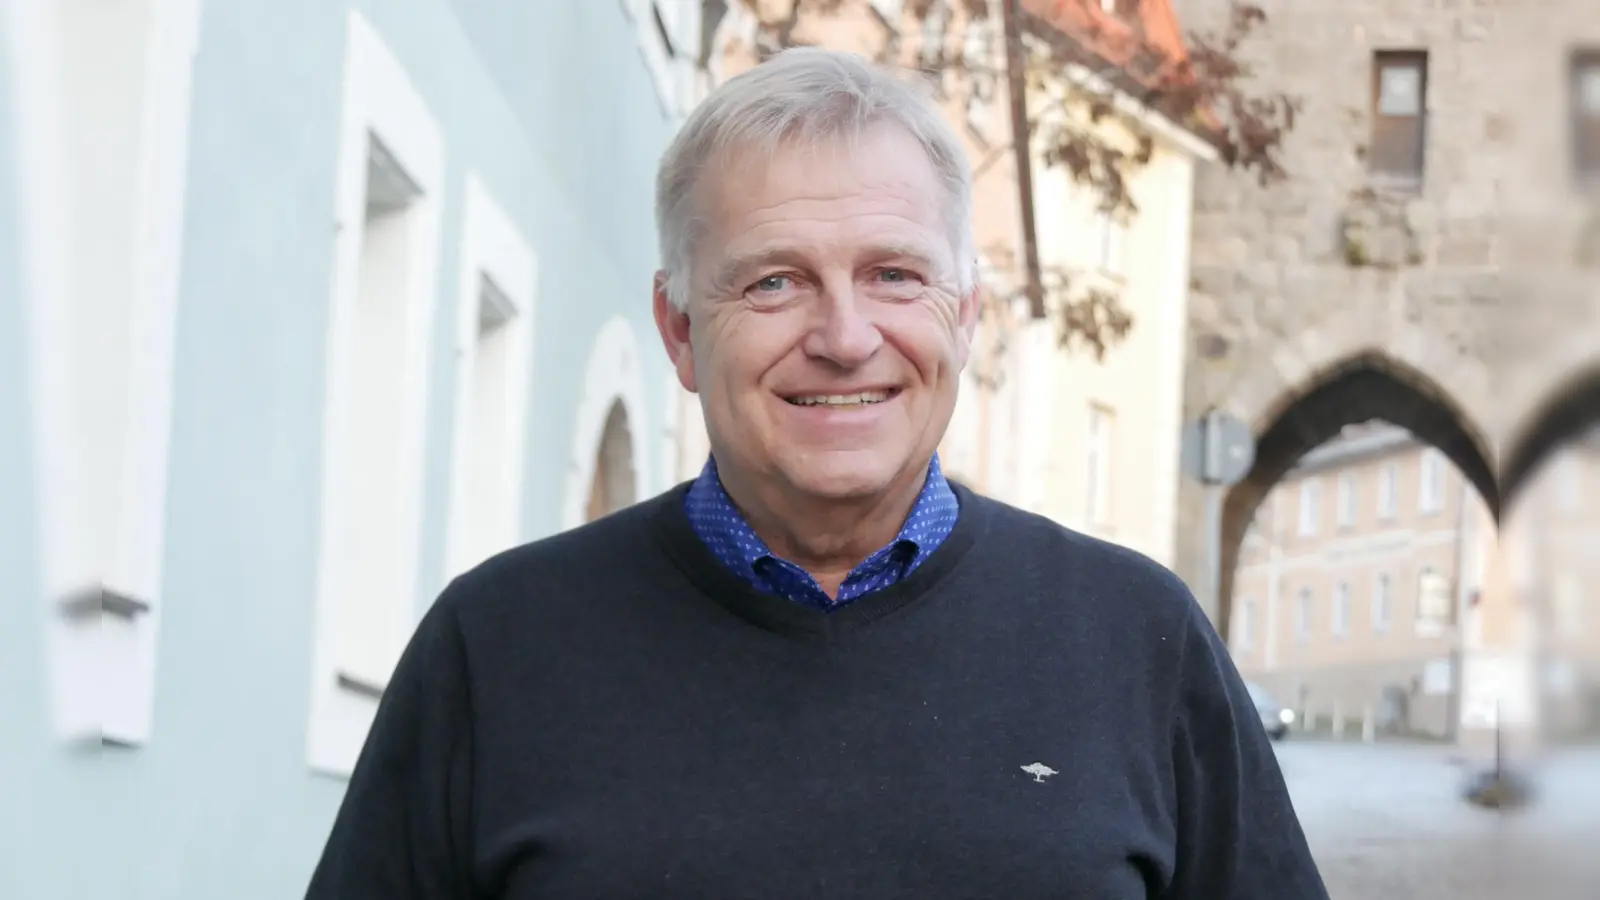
(1238, 835)
(402, 830)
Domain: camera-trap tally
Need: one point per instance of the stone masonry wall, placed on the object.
(1484, 281)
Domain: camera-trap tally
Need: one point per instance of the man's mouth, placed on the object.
(835, 401)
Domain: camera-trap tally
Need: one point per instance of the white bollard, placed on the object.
(1338, 721)
(1369, 726)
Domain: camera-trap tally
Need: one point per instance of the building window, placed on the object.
(1567, 601)
(1111, 240)
(1586, 114)
(100, 373)
(1097, 465)
(1341, 609)
(1388, 480)
(614, 486)
(1399, 114)
(1347, 501)
(982, 80)
(1304, 610)
(1569, 482)
(494, 341)
(930, 55)
(1310, 506)
(607, 468)
(1430, 492)
(1382, 603)
(391, 165)
(1244, 627)
(668, 32)
(890, 11)
(1433, 602)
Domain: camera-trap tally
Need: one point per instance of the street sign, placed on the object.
(1218, 449)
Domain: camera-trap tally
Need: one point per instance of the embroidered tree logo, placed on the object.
(1039, 771)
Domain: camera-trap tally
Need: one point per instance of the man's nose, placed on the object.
(843, 332)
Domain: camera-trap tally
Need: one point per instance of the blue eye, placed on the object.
(772, 283)
(894, 275)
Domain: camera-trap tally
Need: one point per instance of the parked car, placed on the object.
(1275, 717)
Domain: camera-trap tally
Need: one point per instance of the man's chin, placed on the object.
(843, 480)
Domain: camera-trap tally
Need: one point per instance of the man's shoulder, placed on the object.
(577, 563)
(1028, 541)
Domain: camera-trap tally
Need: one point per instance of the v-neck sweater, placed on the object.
(1032, 713)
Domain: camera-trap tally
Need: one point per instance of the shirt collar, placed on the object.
(737, 539)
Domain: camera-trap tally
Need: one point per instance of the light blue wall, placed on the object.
(551, 103)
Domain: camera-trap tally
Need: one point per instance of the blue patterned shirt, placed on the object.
(724, 530)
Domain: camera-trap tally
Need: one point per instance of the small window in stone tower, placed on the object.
(1399, 114)
(1586, 114)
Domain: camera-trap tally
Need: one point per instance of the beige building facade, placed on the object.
(1376, 595)
(1354, 581)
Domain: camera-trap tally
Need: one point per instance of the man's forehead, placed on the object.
(798, 246)
(874, 157)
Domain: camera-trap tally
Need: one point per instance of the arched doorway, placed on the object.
(615, 483)
(1364, 388)
(1345, 548)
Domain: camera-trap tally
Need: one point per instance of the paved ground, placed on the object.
(1386, 822)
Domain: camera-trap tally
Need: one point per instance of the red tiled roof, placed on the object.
(1113, 38)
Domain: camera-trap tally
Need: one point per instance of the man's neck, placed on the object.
(826, 537)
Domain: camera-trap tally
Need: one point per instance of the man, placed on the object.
(820, 669)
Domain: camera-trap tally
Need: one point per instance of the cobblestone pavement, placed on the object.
(1386, 822)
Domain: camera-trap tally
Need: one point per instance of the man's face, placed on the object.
(825, 332)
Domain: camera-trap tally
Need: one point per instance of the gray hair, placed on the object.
(807, 94)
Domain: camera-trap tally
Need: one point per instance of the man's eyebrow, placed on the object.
(760, 257)
(908, 250)
(732, 267)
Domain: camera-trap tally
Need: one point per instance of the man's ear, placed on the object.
(967, 310)
(673, 324)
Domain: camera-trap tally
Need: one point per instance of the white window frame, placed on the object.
(1430, 626)
(1245, 626)
(1339, 613)
(670, 62)
(1346, 500)
(1304, 612)
(890, 11)
(1430, 485)
(1388, 490)
(934, 38)
(493, 249)
(614, 373)
(1310, 507)
(104, 590)
(1111, 243)
(380, 101)
(982, 86)
(1382, 602)
(1098, 479)
(1569, 481)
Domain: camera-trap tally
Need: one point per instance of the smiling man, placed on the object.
(819, 669)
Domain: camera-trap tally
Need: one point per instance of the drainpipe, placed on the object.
(1458, 650)
(1274, 596)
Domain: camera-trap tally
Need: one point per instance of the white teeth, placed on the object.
(842, 399)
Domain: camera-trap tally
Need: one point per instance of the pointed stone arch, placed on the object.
(1361, 387)
(1571, 409)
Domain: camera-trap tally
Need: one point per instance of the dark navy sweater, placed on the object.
(1030, 714)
